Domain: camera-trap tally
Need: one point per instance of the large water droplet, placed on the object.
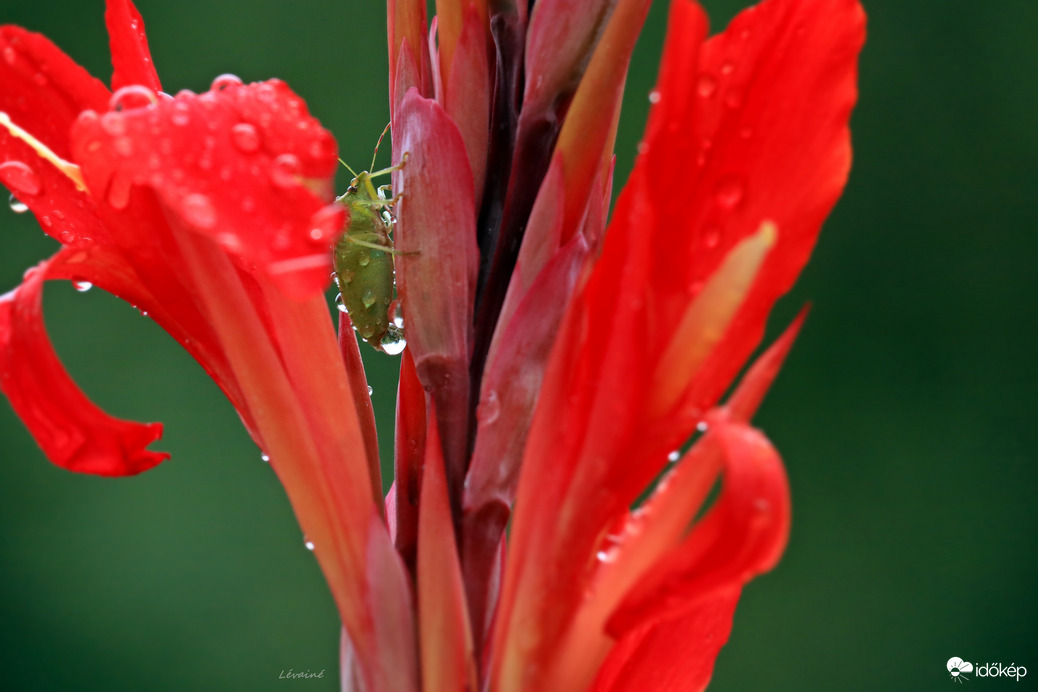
(16, 205)
(371, 390)
(393, 342)
(730, 192)
(284, 171)
(339, 304)
(198, 211)
(20, 178)
(132, 96)
(706, 86)
(82, 286)
(225, 81)
(245, 137)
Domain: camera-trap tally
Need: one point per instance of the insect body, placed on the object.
(363, 262)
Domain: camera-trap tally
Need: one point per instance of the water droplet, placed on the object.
(730, 192)
(393, 342)
(325, 223)
(82, 286)
(371, 390)
(368, 331)
(198, 211)
(711, 237)
(606, 556)
(40, 79)
(489, 408)
(284, 171)
(308, 543)
(9, 55)
(123, 146)
(118, 194)
(706, 86)
(133, 96)
(16, 205)
(113, 124)
(727, 68)
(181, 114)
(674, 456)
(264, 458)
(339, 304)
(368, 298)
(654, 96)
(702, 426)
(225, 81)
(364, 259)
(20, 178)
(245, 137)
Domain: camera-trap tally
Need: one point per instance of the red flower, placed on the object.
(552, 365)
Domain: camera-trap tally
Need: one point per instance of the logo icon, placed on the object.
(958, 668)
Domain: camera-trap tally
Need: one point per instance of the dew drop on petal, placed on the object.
(706, 86)
(339, 304)
(654, 96)
(264, 458)
(730, 192)
(674, 456)
(393, 342)
(132, 96)
(712, 237)
(308, 543)
(727, 68)
(181, 114)
(225, 81)
(371, 390)
(702, 426)
(9, 55)
(16, 205)
(284, 171)
(20, 178)
(82, 286)
(198, 211)
(245, 138)
(113, 124)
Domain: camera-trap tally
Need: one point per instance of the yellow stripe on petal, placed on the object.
(70, 170)
(708, 316)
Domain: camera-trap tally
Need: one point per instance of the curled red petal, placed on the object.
(742, 535)
(676, 655)
(239, 164)
(131, 57)
(72, 431)
(44, 90)
(752, 129)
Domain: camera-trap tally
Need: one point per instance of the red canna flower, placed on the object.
(555, 366)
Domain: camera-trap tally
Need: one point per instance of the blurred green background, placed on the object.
(905, 413)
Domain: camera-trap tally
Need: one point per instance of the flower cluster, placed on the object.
(564, 365)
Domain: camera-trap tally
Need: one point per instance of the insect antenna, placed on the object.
(352, 172)
(374, 154)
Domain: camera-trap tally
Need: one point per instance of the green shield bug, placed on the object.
(363, 260)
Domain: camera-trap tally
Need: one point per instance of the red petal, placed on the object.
(742, 535)
(236, 164)
(445, 639)
(73, 432)
(42, 89)
(131, 57)
(756, 131)
(436, 270)
(676, 655)
(467, 95)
